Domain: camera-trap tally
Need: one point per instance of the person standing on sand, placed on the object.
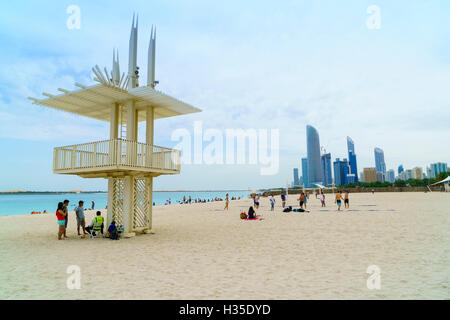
(93, 205)
(227, 201)
(272, 203)
(283, 200)
(256, 200)
(322, 199)
(346, 201)
(81, 222)
(66, 211)
(301, 199)
(338, 200)
(61, 217)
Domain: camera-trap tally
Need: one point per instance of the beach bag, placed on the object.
(243, 215)
(288, 209)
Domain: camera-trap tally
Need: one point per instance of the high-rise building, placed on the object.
(296, 180)
(417, 173)
(380, 177)
(361, 177)
(390, 176)
(370, 175)
(305, 172)
(430, 173)
(408, 174)
(352, 158)
(340, 172)
(438, 167)
(326, 169)
(400, 169)
(313, 149)
(380, 165)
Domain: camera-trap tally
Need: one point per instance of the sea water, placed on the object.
(19, 204)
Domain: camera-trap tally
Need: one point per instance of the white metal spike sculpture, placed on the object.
(151, 59)
(130, 166)
(116, 69)
(133, 70)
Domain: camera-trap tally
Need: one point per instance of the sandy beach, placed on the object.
(199, 251)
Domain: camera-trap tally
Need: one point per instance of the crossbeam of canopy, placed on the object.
(96, 101)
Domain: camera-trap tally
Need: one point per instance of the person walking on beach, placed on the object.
(283, 200)
(306, 198)
(61, 218)
(301, 199)
(256, 200)
(66, 211)
(322, 199)
(272, 203)
(81, 221)
(338, 200)
(93, 205)
(227, 201)
(190, 199)
(346, 200)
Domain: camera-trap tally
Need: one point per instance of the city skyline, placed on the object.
(224, 71)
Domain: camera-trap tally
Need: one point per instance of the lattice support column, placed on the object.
(128, 207)
(149, 183)
(109, 211)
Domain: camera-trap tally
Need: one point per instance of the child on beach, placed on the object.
(301, 199)
(272, 203)
(322, 199)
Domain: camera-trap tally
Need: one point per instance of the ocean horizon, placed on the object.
(12, 204)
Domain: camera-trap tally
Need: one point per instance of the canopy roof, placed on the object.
(443, 181)
(96, 101)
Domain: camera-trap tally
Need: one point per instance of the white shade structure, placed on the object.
(129, 165)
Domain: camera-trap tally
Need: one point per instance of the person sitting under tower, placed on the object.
(96, 224)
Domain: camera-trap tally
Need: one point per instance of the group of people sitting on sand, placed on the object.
(96, 226)
(303, 199)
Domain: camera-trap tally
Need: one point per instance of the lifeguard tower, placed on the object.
(129, 165)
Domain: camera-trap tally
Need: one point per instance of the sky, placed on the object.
(260, 65)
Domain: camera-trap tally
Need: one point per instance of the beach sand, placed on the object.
(199, 251)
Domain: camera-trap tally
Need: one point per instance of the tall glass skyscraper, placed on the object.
(326, 169)
(305, 172)
(379, 161)
(296, 180)
(352, 158)
(313, 147)
(340, 172)
(400, 169)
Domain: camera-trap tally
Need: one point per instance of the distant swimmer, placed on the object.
(346, 201)
(338, 200)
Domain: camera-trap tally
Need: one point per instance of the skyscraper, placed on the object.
(400, 169)
(340, 172)
(390, 176)
(326, 169)
(380, 165)
(352, 158)
(438, 167)
(313, 148)
(305, 172)
(370, 175)
(296, 180)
